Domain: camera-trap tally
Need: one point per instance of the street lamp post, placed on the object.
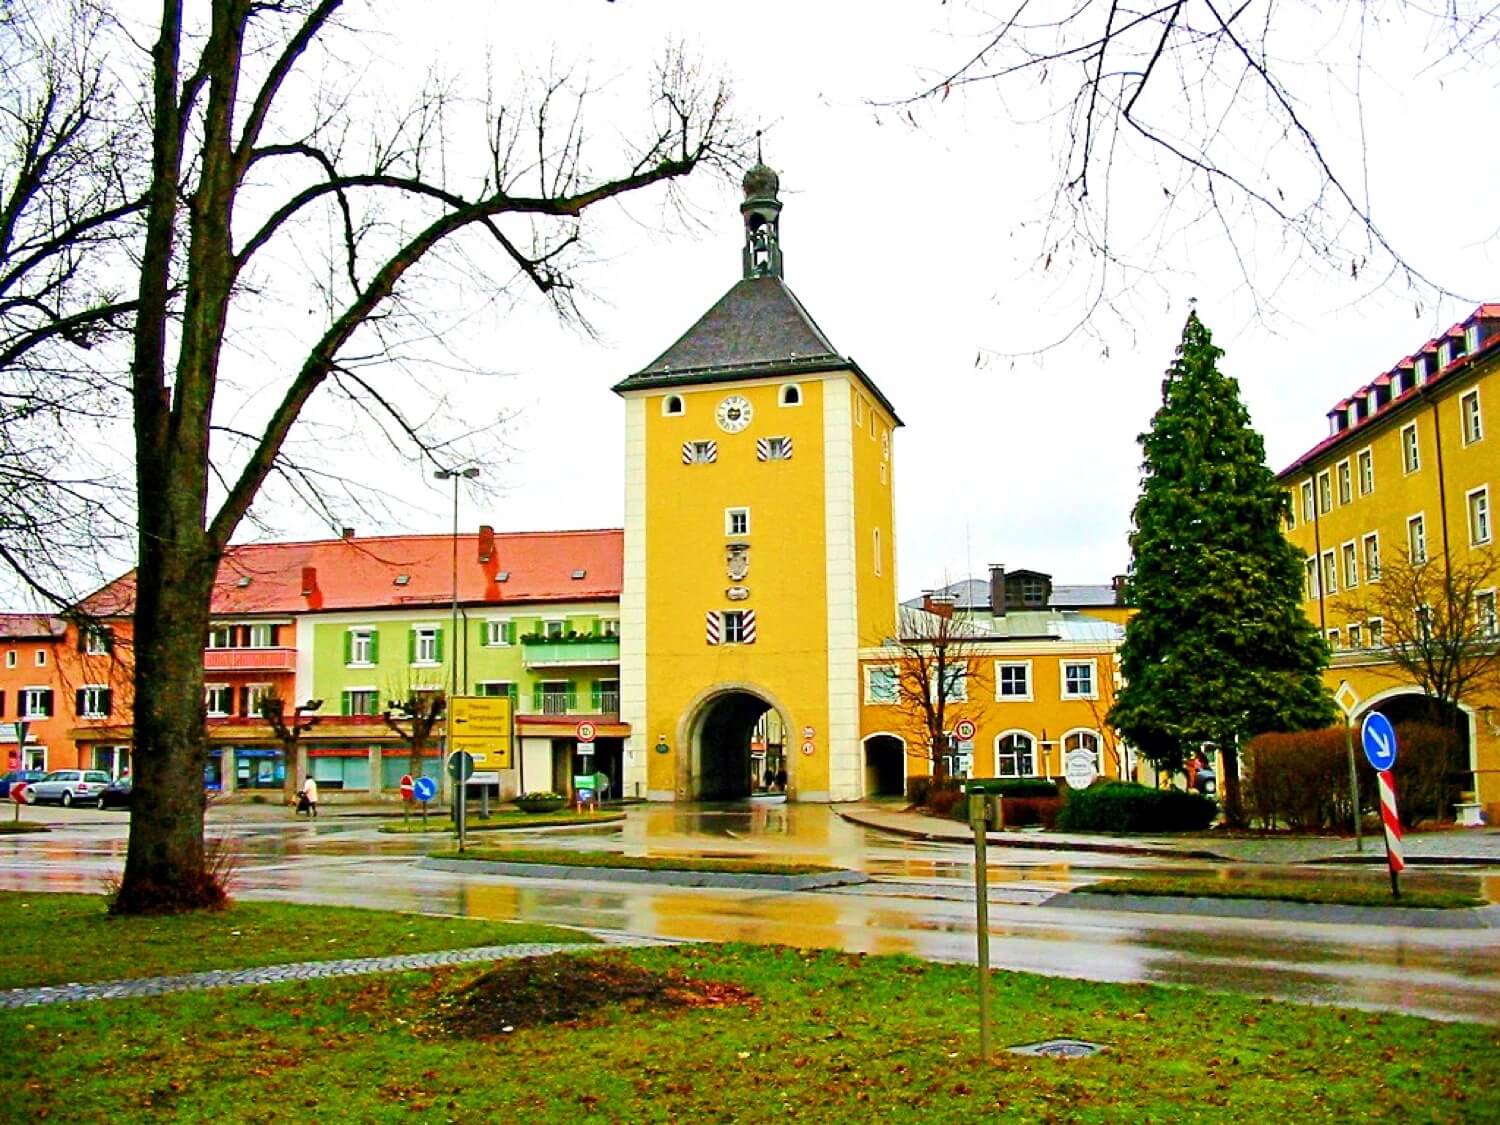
(455, 475)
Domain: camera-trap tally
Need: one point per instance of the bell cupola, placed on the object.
(762, 212)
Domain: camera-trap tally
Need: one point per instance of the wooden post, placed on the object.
(982, 917)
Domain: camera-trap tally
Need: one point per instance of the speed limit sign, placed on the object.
(964, 729)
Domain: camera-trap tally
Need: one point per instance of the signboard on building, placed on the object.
(1079, 770)
(482, 726)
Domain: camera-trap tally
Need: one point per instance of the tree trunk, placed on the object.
(290, 772)
(1234, 812)
(165, 870)
(939, 744)
(418, 744)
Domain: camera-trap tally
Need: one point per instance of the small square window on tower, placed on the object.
(700, 452)
(773, 449)
(736, 521)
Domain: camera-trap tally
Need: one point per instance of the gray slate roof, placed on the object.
(758, 323)
(1082, 595)
(759, 327)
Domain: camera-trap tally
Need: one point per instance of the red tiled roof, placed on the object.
(1489, 347)
(341, 574)
(31, 626)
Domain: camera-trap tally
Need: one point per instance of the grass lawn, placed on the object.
(1347, 890)
(21, 827)
(732, 1033)
(58, 938)
(634, 862)
(499, 822)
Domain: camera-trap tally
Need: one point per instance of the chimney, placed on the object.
(997, 589)
(1118, 583)
(347, 533)
(309, 581)
(940, 604)
(486, 543)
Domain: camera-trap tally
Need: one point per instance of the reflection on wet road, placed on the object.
(919, 903)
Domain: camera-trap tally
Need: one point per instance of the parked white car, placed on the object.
(69, 787)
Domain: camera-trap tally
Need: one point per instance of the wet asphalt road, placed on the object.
(920, 903)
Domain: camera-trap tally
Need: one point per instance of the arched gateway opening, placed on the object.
(1431, 788)
(739, 748)
(885, 766)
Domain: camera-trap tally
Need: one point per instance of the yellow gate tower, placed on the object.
(759, 554)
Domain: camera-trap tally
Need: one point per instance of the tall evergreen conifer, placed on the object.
(1219, 649)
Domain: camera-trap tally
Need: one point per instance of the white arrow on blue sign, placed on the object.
(424, 789)
(1379, 740)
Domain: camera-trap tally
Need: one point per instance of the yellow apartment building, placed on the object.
(1036, 685)
(1407, 471)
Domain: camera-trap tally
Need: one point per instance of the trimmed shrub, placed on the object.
(1023, 812)
(1123, 806)
(1298, 780)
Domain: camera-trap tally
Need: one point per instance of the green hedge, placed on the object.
(1122, 806)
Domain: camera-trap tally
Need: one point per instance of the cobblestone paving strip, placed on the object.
(303, 970)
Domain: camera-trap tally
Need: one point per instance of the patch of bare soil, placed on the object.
(567, 988)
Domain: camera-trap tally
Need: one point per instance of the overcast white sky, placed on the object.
(909, 248)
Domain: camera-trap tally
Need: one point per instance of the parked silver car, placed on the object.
(70, 787)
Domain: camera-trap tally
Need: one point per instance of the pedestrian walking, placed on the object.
(770, 779)
(308, 801)
(781, 780)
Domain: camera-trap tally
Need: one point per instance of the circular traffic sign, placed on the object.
(424, 788)
(406, 786)
(964, 729)
(808, 747)
(587, 731)
(460, 765)
(1379, 740)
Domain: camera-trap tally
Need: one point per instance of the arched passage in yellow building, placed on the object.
(1410, 706)
(736, 736)
(885, 766)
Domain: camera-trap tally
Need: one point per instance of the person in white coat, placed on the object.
(308, 802)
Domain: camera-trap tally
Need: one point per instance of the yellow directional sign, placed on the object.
(482, 726)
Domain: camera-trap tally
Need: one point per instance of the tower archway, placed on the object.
(736, 735)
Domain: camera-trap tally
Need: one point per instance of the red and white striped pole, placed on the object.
(1392, 824)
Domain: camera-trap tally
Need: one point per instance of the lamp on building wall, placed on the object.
(455, 475)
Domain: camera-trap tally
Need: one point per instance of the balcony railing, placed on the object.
(249, 659)
(594, 650)
(575, 703)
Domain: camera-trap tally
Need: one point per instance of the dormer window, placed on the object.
(580, 575)
(401, 580)
(791, 395)
(1471, 338)
(1445, 354)
(1419, 370)
(672, 404)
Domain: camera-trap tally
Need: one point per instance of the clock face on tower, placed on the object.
(733, 414)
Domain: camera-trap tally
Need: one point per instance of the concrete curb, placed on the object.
(606, 820)
(1040, 842)
(657, 878)
(1471, 918)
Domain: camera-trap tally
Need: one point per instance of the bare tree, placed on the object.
(1209, 116)
(1437, 626)
(72, 196)
(273, 710)
(932, 672)
(251, 158)
(414, 717)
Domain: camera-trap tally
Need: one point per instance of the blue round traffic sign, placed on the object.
(425, 789)
(1379, 740)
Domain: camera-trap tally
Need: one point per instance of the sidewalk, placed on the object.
(1459, 846)
(306, 970)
